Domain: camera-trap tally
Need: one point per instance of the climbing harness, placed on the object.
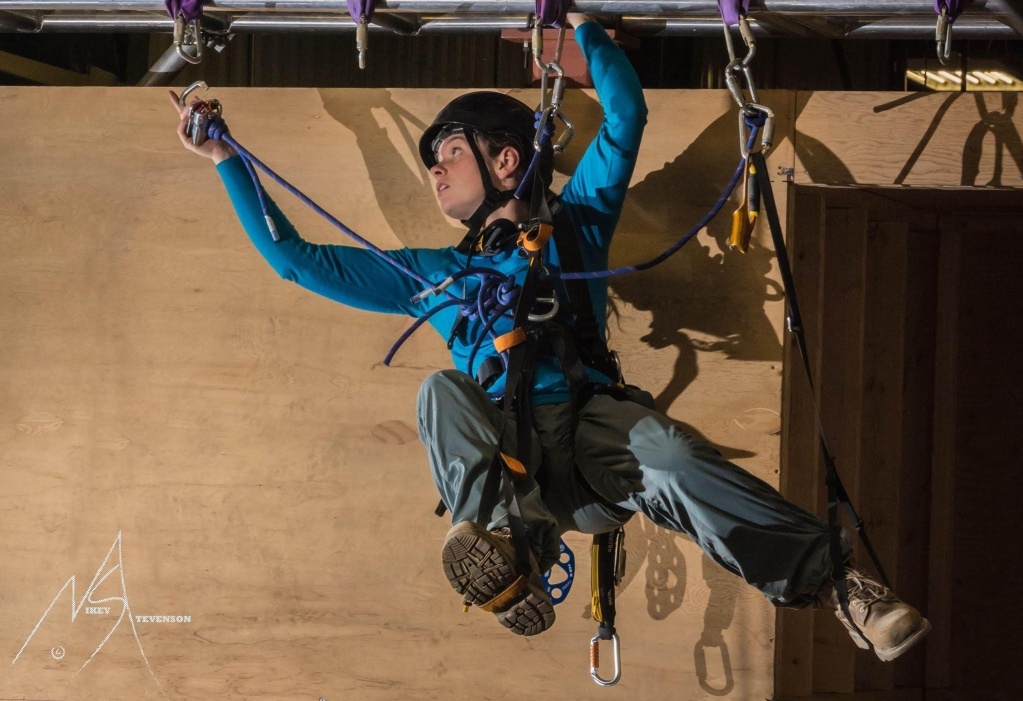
(607, 567)
(361, 12)
(948, 12)
(188, 31)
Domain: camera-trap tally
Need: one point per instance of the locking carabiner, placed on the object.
(741, 66)
(943, 36)
(595, 660)
(766, 132)
(189, 34)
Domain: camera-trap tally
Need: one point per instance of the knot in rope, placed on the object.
(216, 129)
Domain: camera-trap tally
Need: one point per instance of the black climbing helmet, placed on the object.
(486, 113)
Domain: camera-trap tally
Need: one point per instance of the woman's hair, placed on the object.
(493, 143)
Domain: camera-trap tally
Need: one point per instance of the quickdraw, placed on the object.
(607, 567)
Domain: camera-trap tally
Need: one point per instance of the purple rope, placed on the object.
(953, 7)
(552, 13)
(358, 8)
(548, 132)
(731, 10)
(189, 10)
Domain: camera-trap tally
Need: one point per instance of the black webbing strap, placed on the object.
(606, 547)
(836, 490)
(588, 337)
(492, 199)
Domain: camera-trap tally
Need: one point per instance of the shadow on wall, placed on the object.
(405, 196)
(705, 297)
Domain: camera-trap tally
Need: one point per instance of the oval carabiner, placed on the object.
(766, 134)
(190, 89)
(546, 316)
(595, 660)
(545, 117)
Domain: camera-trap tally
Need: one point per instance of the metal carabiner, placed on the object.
(190, 89)
(767, 133)
(546, 316)
(188, 35)
(943, 36)
(545, 116)
(566, 136)
(362, 40)
(741, 66)
(595, 660)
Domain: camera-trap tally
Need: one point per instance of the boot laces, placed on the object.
(864, 591)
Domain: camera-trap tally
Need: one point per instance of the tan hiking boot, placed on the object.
(480, 565)
(891, 625)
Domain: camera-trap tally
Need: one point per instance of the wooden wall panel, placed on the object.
(225, 448)
(883, 409)
(919, 139)
(800, 467)
(841, 328)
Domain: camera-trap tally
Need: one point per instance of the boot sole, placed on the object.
(478, 570)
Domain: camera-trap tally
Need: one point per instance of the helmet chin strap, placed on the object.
(492, 198)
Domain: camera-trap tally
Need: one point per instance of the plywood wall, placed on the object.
(185, 435)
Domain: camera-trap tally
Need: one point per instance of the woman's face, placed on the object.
(459, 189)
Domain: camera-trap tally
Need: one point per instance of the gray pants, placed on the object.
(622, 459)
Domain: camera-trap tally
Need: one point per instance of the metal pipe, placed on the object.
(617, 7)
(166, 68)
(1008, 13)
(688, 8)
(910, 28)
(966, 27)
(13, 22)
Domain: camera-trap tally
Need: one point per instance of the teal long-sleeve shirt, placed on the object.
(593, 198)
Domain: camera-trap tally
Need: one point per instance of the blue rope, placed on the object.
(684, 239)
(498, 292)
